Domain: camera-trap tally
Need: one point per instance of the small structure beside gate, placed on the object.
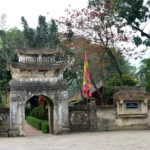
(132, 102)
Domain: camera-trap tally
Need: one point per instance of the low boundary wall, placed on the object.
(90, 118)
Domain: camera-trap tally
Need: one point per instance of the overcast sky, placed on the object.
(31, 9)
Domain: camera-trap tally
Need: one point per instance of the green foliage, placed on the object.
(46, 34)
(124, 65)
(27, 111)
(29, 33)
(109, 92)
(15, 38)
(2, 21)
(4, 57)
(2, 106)
(134, 12)
(147, 42)
(36, 123)
(40, 113)
(137, 40)
(41, 38)
(45, 127)
(33, 113)
(144, 73)
(54, 38)
(9, 40)
(127, 80)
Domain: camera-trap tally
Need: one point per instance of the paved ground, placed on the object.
(29, 130)
(116, 140)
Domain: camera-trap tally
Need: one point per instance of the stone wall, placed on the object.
(83, 118)
(107, 119)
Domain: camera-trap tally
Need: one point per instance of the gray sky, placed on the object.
(31, 9)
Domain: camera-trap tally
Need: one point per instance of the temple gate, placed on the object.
(37, 73)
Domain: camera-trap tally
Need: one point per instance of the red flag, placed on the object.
(41, 101)
(86, 88)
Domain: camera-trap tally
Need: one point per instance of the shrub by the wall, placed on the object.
(33, 113)
(2, 106)
(40, 113)
(36, 123)
(45, 127)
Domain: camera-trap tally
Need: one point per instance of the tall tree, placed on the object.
(46, 34)
(29, 33)
(54, 37)
(2, 21)
(135, 14)
(144, 73)
(99, 68)
(98, 26)
(42, 32)
(9, 40)
(5, 51)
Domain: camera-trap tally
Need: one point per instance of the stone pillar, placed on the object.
(64, 112)
(61, 115)
(21, 118)
(14, 130)
(93, 116)
(17, 113)
(64, 116)
(56, 127)
(13, 114)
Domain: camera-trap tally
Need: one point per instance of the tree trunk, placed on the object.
(99, 93)
(79, 87)
(113, 60)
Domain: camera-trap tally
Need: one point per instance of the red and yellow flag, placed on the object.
(86, 88)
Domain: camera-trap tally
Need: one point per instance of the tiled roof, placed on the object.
(77, 96)
(35, 66)
(36, 51)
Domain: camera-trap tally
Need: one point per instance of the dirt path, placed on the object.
(29, 130)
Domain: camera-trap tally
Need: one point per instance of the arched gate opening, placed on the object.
(41, 108)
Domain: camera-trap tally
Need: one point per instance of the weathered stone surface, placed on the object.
(34, 75)
(132, 102)
(107, 119)
(14, 133)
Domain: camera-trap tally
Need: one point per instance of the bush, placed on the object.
(40, 113)
(33, 112)
(36, 123)
(2, 106)
(45, 127)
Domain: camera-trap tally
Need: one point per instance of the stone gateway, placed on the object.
(38, 74)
